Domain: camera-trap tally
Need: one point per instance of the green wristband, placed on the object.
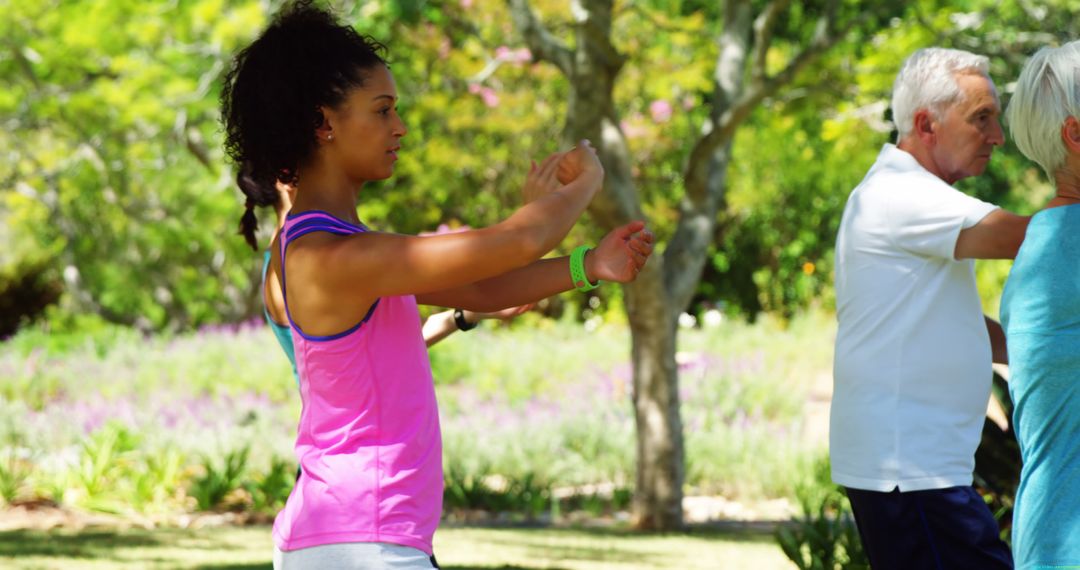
(577, 270)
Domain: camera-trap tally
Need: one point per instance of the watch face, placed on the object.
(459, 320)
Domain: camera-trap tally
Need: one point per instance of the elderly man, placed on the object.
(1040, 309)
(913, 357)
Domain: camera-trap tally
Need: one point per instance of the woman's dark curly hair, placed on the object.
(273, 91)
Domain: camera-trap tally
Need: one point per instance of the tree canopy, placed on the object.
(115, 189)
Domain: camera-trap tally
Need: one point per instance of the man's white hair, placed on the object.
(1047, 93)
(927, 80)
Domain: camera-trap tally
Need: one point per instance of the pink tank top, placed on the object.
(368, 440)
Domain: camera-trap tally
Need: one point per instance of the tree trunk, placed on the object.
(666, 287)
(660, 456)
(592, 68)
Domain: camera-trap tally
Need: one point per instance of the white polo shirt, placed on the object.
(912, 369)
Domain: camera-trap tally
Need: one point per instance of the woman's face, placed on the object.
(366, 128)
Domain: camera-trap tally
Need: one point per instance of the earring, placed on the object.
(329, 137)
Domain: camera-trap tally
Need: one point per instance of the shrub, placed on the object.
(26, 289)
(219, 479)
(825, 536)
(269, 492)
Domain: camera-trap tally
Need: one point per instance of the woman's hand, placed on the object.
(621, 254)
(580, 161)
(541, 178)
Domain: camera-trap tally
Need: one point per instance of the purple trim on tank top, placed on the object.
(316, 224)
(319, 222)
(328, 215)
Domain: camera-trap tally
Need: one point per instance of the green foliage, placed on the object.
(110, 134)
(270, 491)
(466, 489)
(774, 253)
(14, 474)
(131, 423)
(524, 497)
(537, 344)
(61, 332)
(220, 477)
(596, 503)
(825, 536)
(108, 457)
(156, 485)
(751, 395)
(118, 181)
(477, 110)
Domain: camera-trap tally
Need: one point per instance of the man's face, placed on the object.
(968, 130)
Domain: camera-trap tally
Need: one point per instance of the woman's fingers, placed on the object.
(549, 168)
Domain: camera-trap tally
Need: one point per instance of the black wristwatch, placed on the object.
(462, 324)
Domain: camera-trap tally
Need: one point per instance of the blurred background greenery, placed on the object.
(116, 200)
(134, 375)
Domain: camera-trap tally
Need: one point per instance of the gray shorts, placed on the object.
(353, 556)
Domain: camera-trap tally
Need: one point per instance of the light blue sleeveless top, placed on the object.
(281, 332)
(1040, 311)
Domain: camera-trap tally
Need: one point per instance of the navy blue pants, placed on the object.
(939, 529)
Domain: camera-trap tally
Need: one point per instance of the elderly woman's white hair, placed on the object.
(1047, 93)
(927, 80)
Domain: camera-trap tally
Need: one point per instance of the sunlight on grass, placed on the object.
(249, 548)
(461, 549)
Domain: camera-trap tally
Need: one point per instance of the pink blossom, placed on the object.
(446, 229)
(466, 4)
(520, 55)
(632, 130)
(491, 99)
(474, 88)
(660, 111)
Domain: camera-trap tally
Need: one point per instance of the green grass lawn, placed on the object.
(244, 548)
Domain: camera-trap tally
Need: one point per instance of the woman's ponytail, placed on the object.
(249, 224)
(255, 196)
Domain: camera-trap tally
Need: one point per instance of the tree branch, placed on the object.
(733, 103)
(543, 45)
(595, 19)
(657, 23)
(25, 66)
(825, 36)
(764, 25)
(195, 145)
(187, 133)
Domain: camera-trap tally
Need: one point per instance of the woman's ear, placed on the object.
(324, 132)
(1070, 135)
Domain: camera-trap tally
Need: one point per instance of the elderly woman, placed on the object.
(1040, 311)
